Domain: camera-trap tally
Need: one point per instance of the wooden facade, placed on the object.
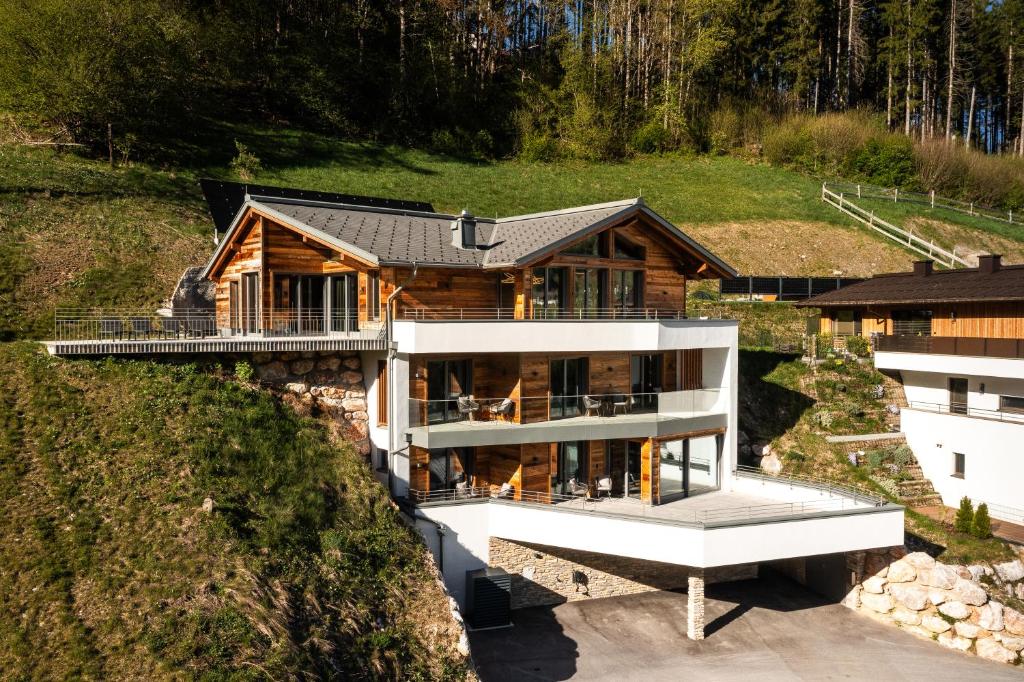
(968, 320)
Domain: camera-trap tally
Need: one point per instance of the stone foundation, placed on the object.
(321, 383)
(543, 575)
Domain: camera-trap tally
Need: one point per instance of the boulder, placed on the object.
(1015, 644)
(880, 603)
(906, 616)
(913, 597)
(919, 560)
(356, 392)
(901, 572)
(968, 630)
(352, 363)
(331, 364)
(208, 505)
(951, 641)
(994, 651)
(296, 387)
(939, 575)
(1019, 591)
(771, 464)
(955, 609)
(761, 449)
(354, 404)
(1010, 572)
(977, 571)
(262, 358)
(352, 377)
(360, 416)
(990, 616)
(969, 592)
(1013, 621)
(272, 371)
(300, 367)
(937, 596)
(874, 585)
(935, 624)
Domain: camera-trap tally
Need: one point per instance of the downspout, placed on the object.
(392, 395)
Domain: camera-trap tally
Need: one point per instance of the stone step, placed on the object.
(922, 500)
(915, 484)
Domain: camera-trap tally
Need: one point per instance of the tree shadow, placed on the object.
(767, 409)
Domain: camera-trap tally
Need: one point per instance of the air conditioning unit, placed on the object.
(489, 598)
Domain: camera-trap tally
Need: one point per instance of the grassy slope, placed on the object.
(110, 570)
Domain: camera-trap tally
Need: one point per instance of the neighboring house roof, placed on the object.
(1001, 283)
(387, 236)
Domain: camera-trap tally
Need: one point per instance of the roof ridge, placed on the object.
(636, 201)
(263, 199)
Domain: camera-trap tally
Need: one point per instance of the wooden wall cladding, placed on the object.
(246, 256)
(497, 377)
(609, 373)
(534, 385)
(668, 381)
(979, 320)
(649, 474)
(505, 466)
(536, 458)
(664, 282)
(597, 462)
(692, 369)
(445, 288)
(419, 472)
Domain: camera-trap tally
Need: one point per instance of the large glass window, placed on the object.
(373, 296)
(568, 384)
(627, 287)
(588, 294)
(572, 465)
(594, 246)
(688, 466)
(646, 372)
(548, 293)
(313, 304)
(447, 380)
(625, 250)
(449, 467)
(912, 322)
(344, 305)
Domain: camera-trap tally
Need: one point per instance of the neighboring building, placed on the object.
(955, 339)
(516, 370)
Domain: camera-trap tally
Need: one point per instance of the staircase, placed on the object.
(917, 491)
(894, 395)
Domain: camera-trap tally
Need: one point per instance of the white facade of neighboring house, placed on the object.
(974, 449)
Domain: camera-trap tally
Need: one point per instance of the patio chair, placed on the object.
(577, 489)
(141, 327)
(506, 492)
(111, 328)
(461, 490)
(591, 405)
(621, 402)
(502, 410)
(604, 485)
(468, 407)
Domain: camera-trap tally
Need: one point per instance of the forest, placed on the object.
(536, 78)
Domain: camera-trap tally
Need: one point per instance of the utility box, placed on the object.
(489, 598)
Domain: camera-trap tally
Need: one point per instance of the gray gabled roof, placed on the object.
(383, 236)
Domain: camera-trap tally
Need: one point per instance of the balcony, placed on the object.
(201, 330)
(756, 518)
(951, 345)
(967, 411)
(476, 422)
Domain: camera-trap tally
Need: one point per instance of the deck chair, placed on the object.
(577, 489)
(591, 405)
(621, 402)
(604, 485)
(468, 407)
(502, 410)
(506, 492)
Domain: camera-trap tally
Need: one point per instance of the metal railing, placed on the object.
(488, 314)
(906, 238)
(126, 324)
(951, 345)
(930, 199)
(1004, 513)
(966, 411)
(532, 409)
(857, 492)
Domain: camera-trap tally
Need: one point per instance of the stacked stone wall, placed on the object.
(966, 608)
(543, 575)
(320, 383)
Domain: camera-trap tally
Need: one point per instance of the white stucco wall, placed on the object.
(993, 450)
(466, 529)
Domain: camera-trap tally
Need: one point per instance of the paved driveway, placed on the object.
(767, 629)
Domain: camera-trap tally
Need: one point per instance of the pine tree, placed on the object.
(982, 526)
(964, 516)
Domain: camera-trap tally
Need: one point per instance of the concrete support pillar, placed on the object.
(695, 604)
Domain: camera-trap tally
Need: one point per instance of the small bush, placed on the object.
(824, 345)
(823, 418)
(651, 138)
(245, 164)
(886, 161)
(888, 485)
(538, 147)
(903, 456)
(982, 526)
(875, 458)
(244, 371)
(858, 345)
(964, 520)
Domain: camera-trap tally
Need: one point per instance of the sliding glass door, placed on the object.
(572, 465)
(645, 380)
(589, 292)
(344, 303)
(449, 467)
(447, 380)
(689, 466)
(568, 385)
(315, 304)
(548, 292)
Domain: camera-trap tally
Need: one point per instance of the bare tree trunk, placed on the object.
(668, 63)
(401, 44)
(1020, 135)
(910, 72)
(836, 85)
(849, 54)
(888, 95)
(952, 70)
(1009, 91)
(970, 118)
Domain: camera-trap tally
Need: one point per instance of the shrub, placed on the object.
(245, 164)
(964, 520)
(982, 525)
(824, 345)
(903, 456)
(789, 144)
(651, 138)
(875, 458)
(886, 161)
(823, 418)
(888, 485)
(538, 147)
(857, 345)
(244, 371)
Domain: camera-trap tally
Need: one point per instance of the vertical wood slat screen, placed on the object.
(382, 392)
(693, 375)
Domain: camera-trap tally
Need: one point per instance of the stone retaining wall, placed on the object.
(321, 382)
(953, 605)
(543, 575)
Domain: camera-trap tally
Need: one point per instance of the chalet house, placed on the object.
(955, 339)
(536, 392)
